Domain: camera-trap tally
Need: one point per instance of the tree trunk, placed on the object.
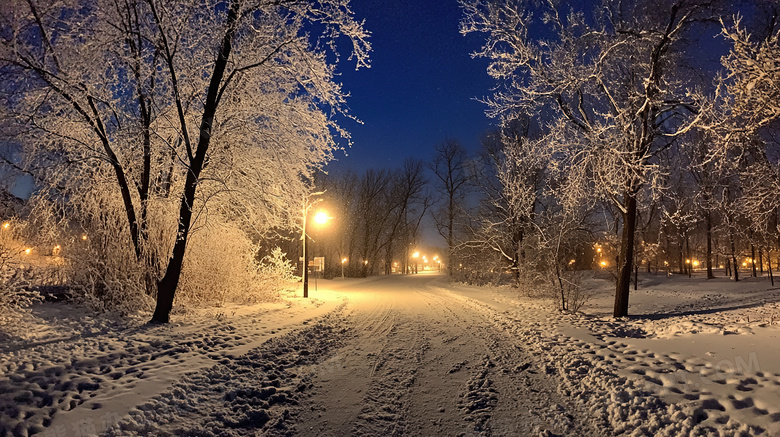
(626, 257)
(734, 257)
(753, 260)
(450, 221)
(166, 287)
(518, 255)
(688, 260)
(680, 256)
(708, 222)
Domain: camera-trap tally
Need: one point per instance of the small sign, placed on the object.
(317, 264)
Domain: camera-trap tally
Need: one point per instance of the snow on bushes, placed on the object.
(15, 279)
(103, 269)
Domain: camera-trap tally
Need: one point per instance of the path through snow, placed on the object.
(412, 355)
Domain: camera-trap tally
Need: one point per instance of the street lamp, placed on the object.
(320, 218)
(415, 255)
(343, 260)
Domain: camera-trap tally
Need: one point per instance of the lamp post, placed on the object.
(343, 260)
(415, 255)
(319, 218)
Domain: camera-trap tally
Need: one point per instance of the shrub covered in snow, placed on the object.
(15, 281)
(220, 267)
(275, 272)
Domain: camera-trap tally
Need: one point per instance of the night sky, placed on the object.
(420, 88)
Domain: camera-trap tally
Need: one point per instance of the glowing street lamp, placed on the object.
(343, 261)
(320, 218)
(415, 255)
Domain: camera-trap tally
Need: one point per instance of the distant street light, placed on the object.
(343, 261)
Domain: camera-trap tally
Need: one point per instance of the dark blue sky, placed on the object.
(420, 88)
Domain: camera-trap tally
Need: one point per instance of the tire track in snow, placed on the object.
(509, 392)
(441, 367)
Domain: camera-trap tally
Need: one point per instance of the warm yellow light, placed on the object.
(687, 261)
(27, 251)
(603, 264)
(696, 264)
(571, 261)
(6, 225)
(744, 264)
(343, 260)
(598, 250)
(416, 255)
(84, 237)
(321, 218)
(666, 263)
(365, 262)
(435, 257)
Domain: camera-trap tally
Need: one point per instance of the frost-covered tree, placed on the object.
(606, 79)
(161, 116)
(748, 111)
(511, 177)
(752, 77)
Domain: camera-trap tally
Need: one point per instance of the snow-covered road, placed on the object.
(401, 356)
(407, 355)
(422, 360)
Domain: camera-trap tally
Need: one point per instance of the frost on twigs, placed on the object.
(605, 82)
(144, 123)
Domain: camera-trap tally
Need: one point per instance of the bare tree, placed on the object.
(453, 181)
(408, 203)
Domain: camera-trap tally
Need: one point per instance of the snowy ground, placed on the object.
(410, 355)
